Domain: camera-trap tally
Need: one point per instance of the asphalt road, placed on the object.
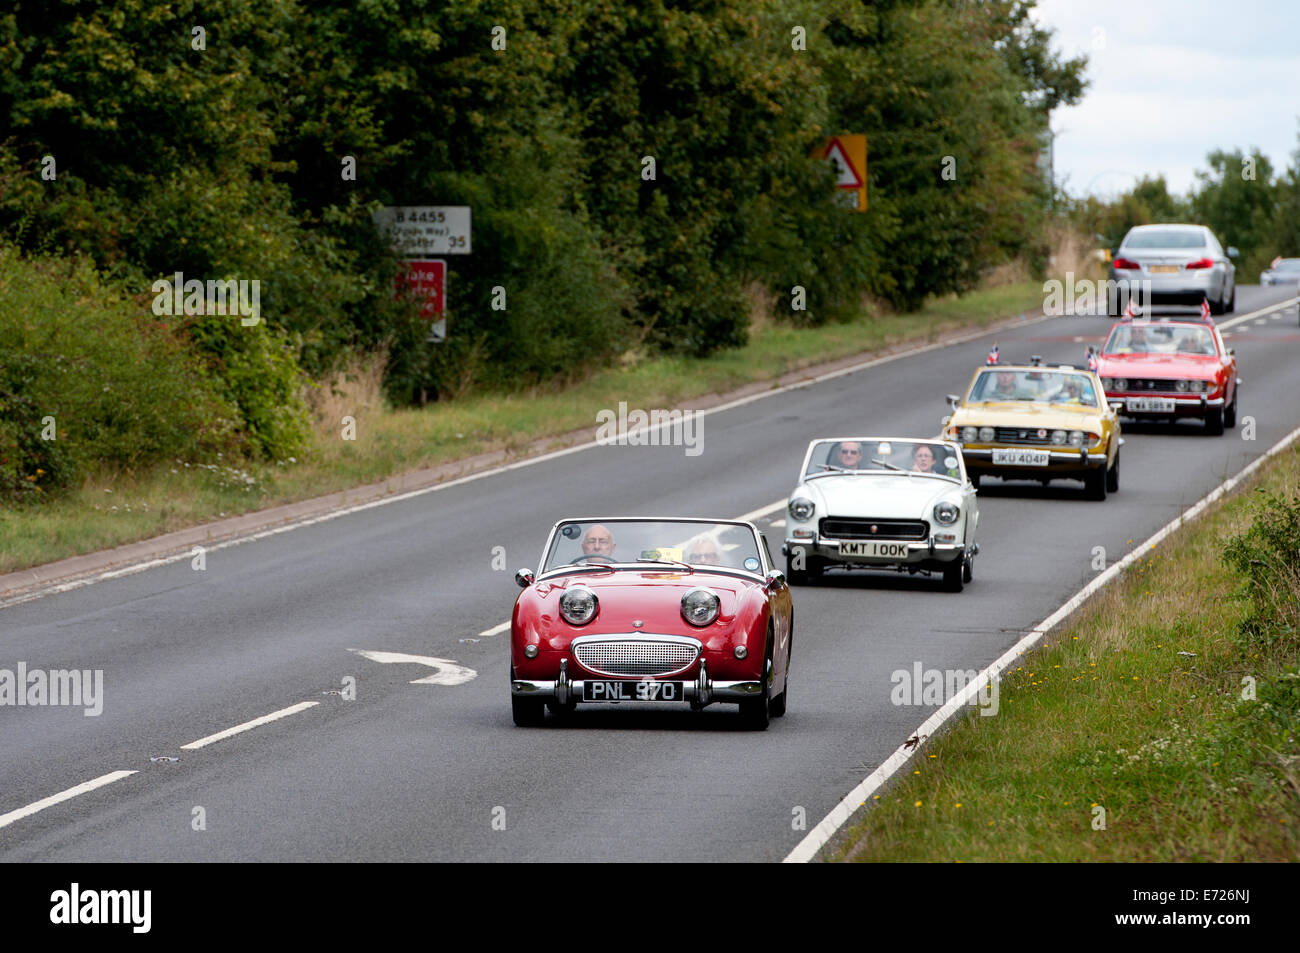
(438, 772)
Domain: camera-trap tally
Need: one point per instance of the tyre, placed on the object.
(954, 575)
(967, 570)
(1232, 301)
(1216, 307)
(811, 572)
(777, 708)
(527, 712)
(1230, 412)
(1112, 476)
(1094, 484)
(756, 713)
(1214, 422)
(975, 480)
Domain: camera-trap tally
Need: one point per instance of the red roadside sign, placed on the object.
(425, 280)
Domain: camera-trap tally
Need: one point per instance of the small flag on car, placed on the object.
(993, 355)
(1129, 311)
(1093, 363)
(1205, 309)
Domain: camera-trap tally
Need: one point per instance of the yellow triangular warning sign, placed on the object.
(846, 177)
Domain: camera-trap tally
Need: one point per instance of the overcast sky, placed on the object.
(1171, 80)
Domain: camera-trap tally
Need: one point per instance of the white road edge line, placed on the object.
(495, 630)
(69, 794)
(62, 587)
(1254, 314)
(274, 716)
(818, 837)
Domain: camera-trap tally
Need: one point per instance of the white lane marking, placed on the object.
(1261, 320)
(495, 630)
(777, 524)
(1256, 313)
(448, 672)
(274, 716)
(69, 794)
(762, 511)
(817, 838)
(62, 587)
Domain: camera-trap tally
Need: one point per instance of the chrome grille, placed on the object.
(635, 656)
(1147, 385)
(1024, 435)
(852, 528)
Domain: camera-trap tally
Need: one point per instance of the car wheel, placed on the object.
(527, 712)
(975, 480)
(1214, 422)
(756, 713)
(1232, 301)
(1230, 413)
(954, 575)
(777, 708)
(967, 570)
(1112, 476)
(796, 577)
(1094, 484)
(1216, 306)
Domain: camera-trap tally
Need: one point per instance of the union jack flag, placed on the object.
(1205, 309)
(993, 355)
(1130, 312)
(1093, 363)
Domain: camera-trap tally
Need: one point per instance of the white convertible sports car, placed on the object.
(882, 502)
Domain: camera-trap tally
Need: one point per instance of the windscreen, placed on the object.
(1046, 385)
(1160, 339)
(696, 542)
(883, 456)
(1166, 238)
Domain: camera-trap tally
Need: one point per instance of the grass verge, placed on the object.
(115, 508)
(1132, 713)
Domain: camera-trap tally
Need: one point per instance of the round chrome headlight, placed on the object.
(1108, 383)
(1197, 387)
(1058, 437)
(700, 607)
(986, 435)
(1076, 438)
(946, 513)
(1180, 386)
(1121, 383)
(969, 434)
(801, 509)
(578, 605)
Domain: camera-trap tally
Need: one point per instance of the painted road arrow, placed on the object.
(448, 672)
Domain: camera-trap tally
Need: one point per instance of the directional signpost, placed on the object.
(417, 233)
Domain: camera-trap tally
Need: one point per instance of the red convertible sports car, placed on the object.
(1170, 369)
(651, 611)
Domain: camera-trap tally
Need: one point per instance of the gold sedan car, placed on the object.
(1037, 422)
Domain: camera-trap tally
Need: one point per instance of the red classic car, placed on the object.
(654, 611)
(1169, 369)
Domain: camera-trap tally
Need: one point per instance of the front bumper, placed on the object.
(699, 691)
(1059, 462)
(919, 552)
(1183, 406)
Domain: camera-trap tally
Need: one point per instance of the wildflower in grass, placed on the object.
(917, 804)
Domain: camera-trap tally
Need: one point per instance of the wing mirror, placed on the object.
(1116, 405)
(775, 579)
(953, 401)
(525, 578)
(1233, 253)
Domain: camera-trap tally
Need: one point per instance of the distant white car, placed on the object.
(1283, 271)
(899, 503)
